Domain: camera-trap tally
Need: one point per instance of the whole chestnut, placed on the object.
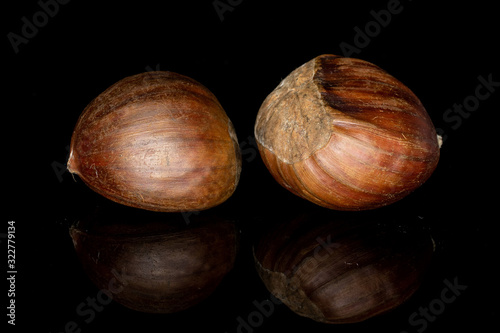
(158, 141)
(338, 270)
(344, 134)
(152, 264)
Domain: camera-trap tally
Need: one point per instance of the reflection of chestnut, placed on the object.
(342, 271)
(152, 266)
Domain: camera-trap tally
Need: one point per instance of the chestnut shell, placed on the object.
(156, 265)
(342, 270)
(158, 141)
(346, 135)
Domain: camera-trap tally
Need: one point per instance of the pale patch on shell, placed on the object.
(282, 117)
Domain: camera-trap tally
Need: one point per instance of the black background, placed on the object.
(439, 51)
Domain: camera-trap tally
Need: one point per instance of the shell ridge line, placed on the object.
(391, 136)
(347, 183)
(305, 187)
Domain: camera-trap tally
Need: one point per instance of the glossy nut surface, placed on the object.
(158, 141)
(346, 135)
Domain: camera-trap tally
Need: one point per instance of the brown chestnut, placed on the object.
(158, 141)
(156, 265)
(346, 135)
(342, 270)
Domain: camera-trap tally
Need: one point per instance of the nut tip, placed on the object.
(440, 140)
(71, 165)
